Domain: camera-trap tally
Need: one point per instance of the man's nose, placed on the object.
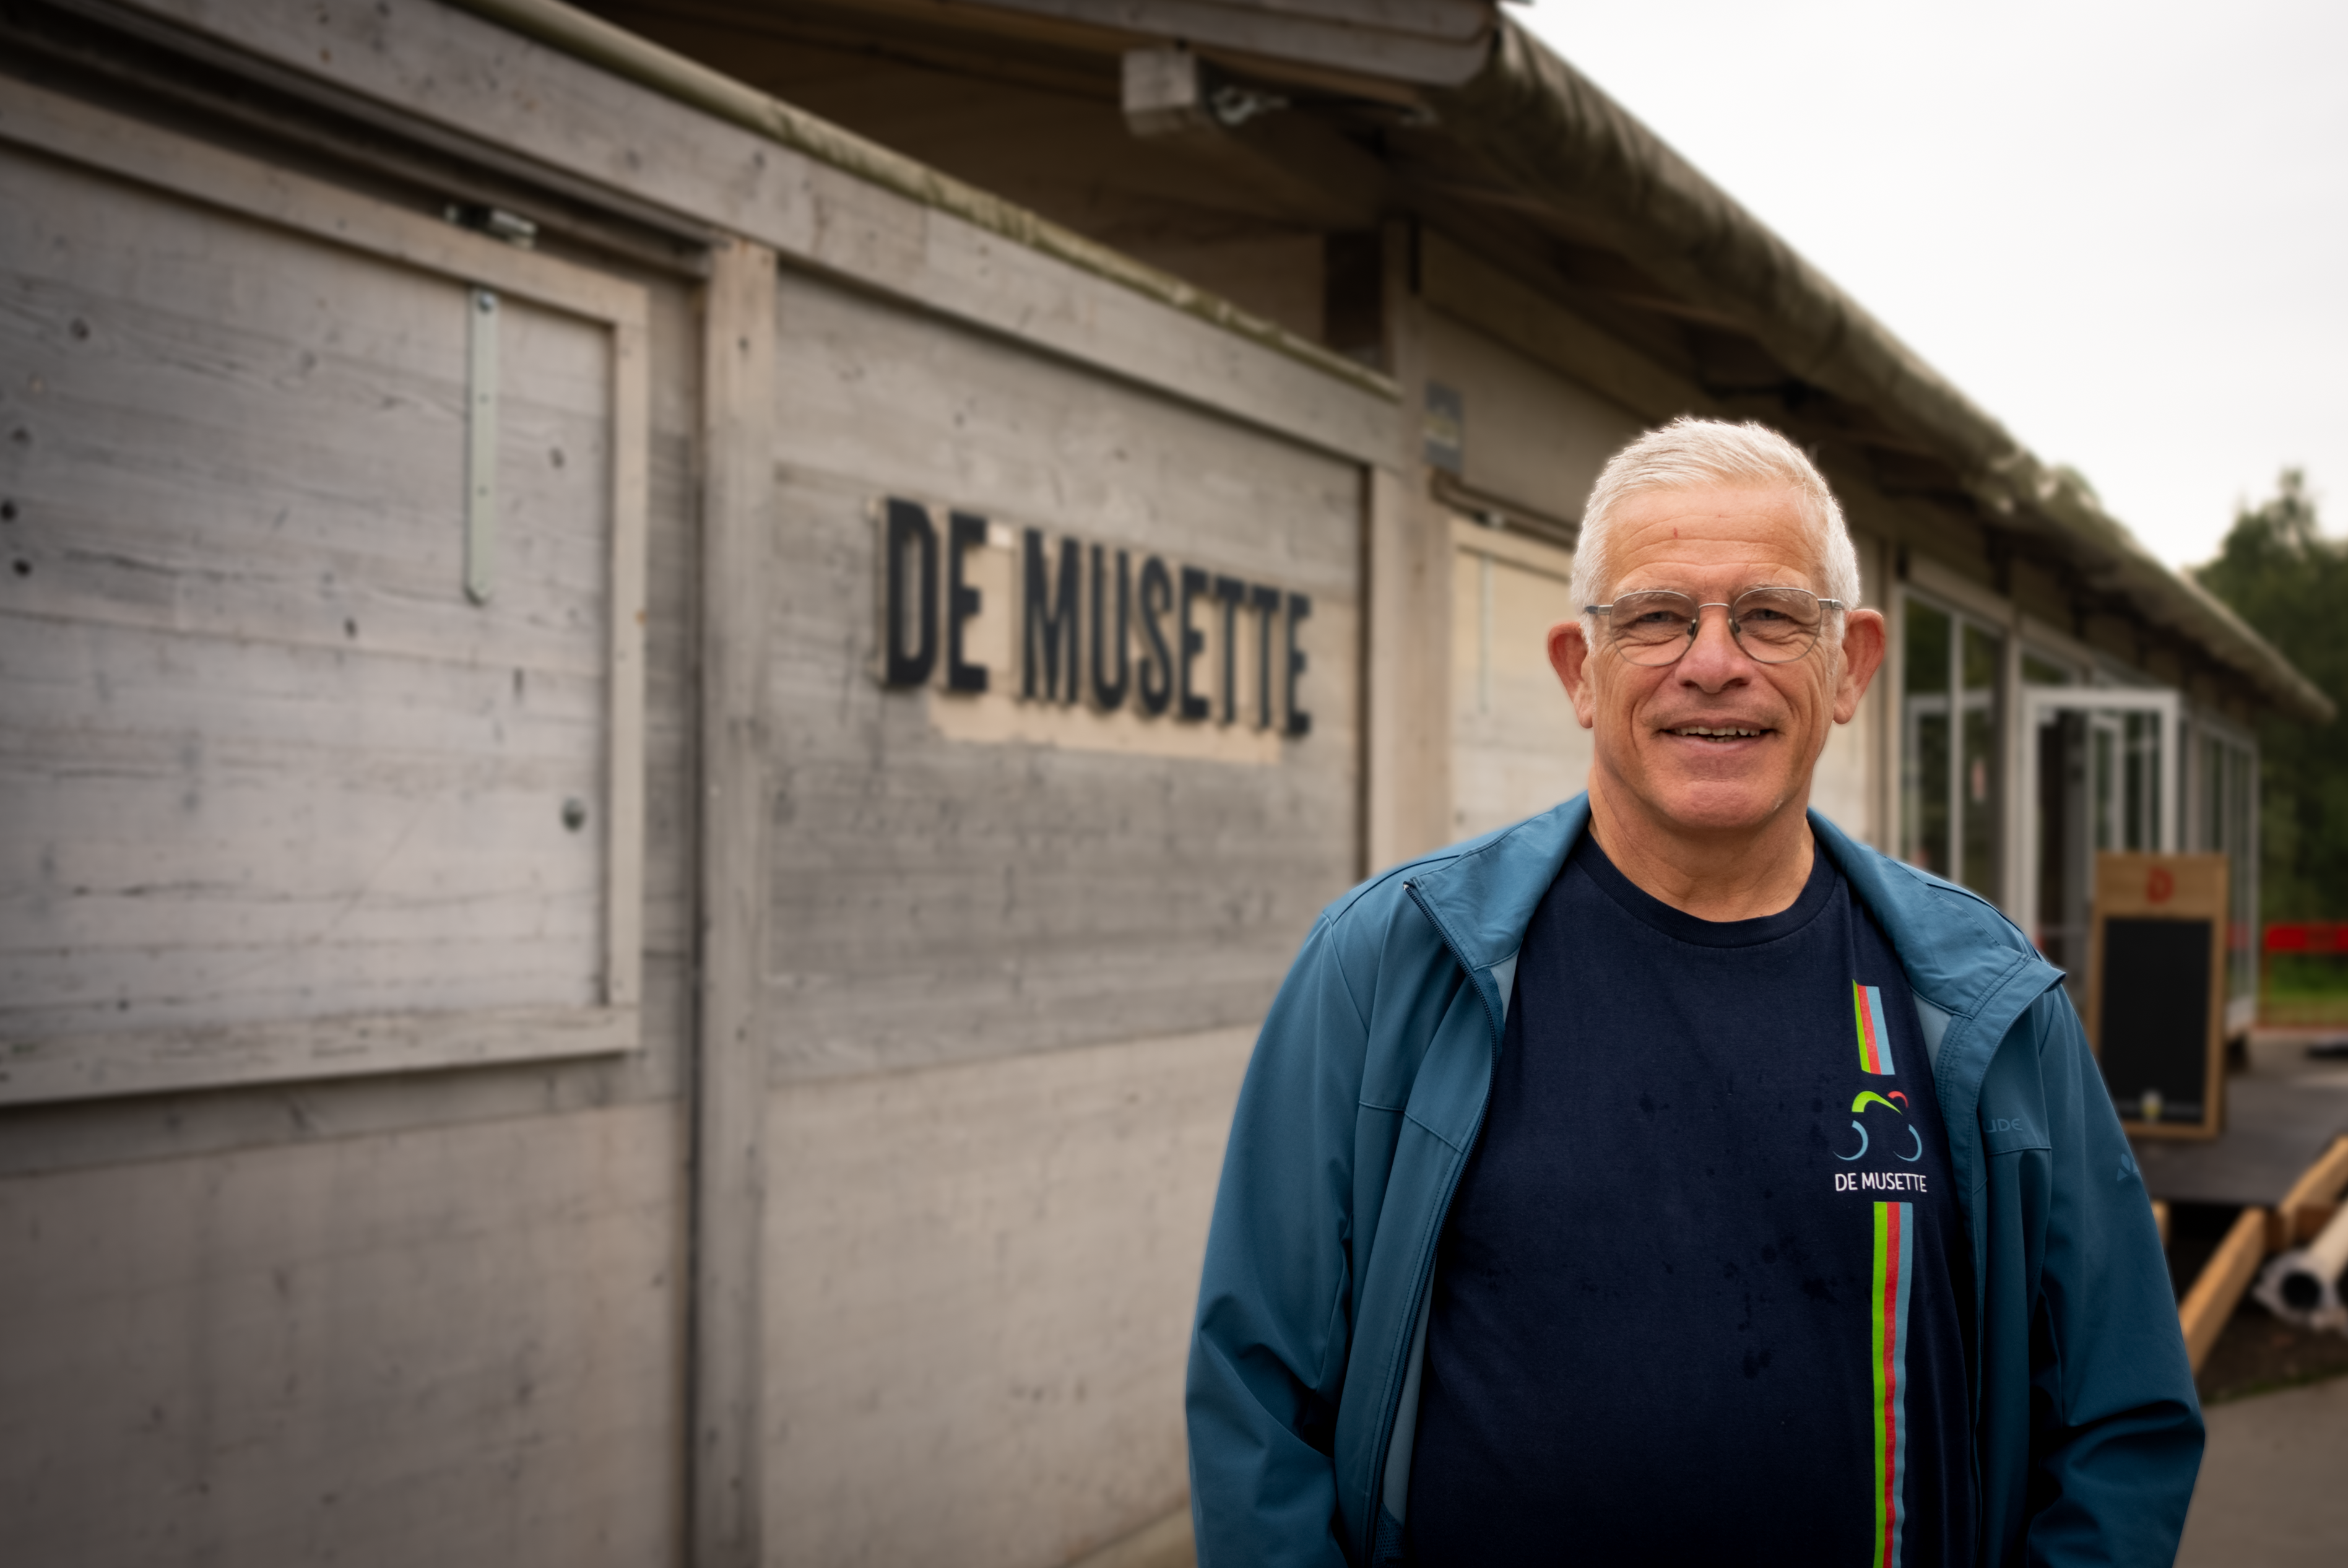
(1716, 661)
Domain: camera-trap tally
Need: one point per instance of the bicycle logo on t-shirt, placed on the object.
(1858, 1106)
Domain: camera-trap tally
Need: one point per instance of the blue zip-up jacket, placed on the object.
(1367, 1091)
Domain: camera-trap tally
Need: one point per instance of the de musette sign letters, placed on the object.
(1108, 625)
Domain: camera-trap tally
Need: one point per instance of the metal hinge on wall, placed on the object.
(481, 446)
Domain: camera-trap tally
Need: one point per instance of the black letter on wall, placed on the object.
(1109, 694)
(1234, 593)
(1194, 643)
(1054, 615)
(1265, 603)
(909, 528)
(1299, 721)
(1157, 682)
(963, 532)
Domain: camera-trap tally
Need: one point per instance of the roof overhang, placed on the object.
(1554, 136)
(1546, 146)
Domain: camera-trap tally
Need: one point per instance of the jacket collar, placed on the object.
(1964, 959)
(1973, 972)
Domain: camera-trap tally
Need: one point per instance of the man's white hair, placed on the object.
(1692, 454)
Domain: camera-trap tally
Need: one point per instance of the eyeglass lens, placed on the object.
(1773, 625)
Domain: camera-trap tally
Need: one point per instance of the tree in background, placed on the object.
(2290, 583)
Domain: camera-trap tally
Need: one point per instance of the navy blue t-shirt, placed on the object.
(1700, 1293)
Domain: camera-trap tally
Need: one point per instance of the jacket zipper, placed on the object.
(1422, 1297)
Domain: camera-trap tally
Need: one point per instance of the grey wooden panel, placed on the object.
(982, 1282)
(1532, 436)
(53, 1136)
(936, 898)
(471, 76)
(158, 1060)
(449, 1345)
(261, 758)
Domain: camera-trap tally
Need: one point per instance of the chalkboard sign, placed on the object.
(2156, 991)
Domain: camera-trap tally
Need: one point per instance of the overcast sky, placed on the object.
(2121, 229)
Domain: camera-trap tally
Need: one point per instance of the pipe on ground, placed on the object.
(2305, 1286)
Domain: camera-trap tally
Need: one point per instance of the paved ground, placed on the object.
(2274, 1482)
(2272, 1492)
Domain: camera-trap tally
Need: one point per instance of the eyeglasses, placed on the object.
(1774, 625)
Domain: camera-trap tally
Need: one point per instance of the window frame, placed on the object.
(1962, 616)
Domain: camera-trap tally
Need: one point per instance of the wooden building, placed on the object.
(674, 683)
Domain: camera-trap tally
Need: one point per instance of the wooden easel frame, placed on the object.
(2146, 886)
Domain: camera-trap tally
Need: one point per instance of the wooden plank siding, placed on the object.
(446, 1344)
(1516, 746)
(881, 1245)
(394, 1315)
(309, 781)
(477, 80)
(937, 899)
(980, 1311)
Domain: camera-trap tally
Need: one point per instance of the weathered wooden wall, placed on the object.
(1533, 435)
(452, 1314)
(236, 462)
(980, 1304)
(1516, 746)
(373, 1319)
(882, 1244)
(980, 1275)
(452, 1344)
(938, 898)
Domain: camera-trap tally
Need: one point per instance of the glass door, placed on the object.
(2105, 768)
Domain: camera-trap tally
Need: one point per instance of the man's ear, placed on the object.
(1863, 637)
(1569, 655)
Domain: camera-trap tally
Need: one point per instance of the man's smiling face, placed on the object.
(1715, 743)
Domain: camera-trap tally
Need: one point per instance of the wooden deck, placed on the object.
(2279, 1114)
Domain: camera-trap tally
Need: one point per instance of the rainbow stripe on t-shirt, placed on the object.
(1888, 1350)
(1874, 1035)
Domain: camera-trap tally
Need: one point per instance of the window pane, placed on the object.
(1981, 779)
(2103, 788)
(1925, 741)
(2213, 794)
(2140, 783)
(2036, 671)
(2243, 867)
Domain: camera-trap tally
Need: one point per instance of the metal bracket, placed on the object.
(481, 446)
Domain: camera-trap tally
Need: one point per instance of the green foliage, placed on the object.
(2290, 583)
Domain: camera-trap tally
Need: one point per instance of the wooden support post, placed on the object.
(2161, 1220)
(2223, 1279)
(730, 1099)
(1406, 609)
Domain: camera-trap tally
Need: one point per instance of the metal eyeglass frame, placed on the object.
(1737, 635)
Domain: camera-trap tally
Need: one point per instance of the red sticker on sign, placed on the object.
(2159, 885)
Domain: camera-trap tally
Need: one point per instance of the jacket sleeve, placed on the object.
(2116, 1438)
(1268, 1350)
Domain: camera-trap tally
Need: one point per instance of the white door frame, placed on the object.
(2037, 704)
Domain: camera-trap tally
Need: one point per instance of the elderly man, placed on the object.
(1668, 1178)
